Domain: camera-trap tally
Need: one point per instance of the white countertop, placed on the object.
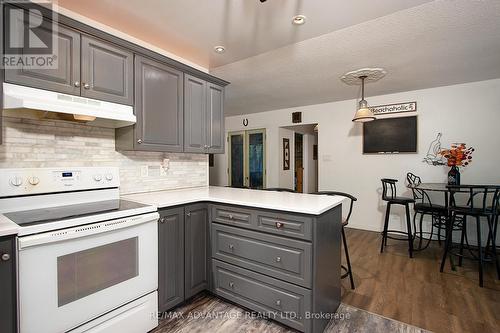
(7, 227)
(285, 201)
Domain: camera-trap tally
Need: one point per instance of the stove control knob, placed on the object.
(109, 176)
(97, 177)
(16, 181)
(34, 180)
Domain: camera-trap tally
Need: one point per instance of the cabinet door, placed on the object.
(8, 306)
(170, 258)
(107, 71)
(194, 115)
(158, 106)
(215, 118)
(196, 249)
(66, 77)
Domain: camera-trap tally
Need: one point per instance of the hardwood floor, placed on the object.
(415, 292)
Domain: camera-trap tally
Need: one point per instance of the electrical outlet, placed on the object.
(163, 171)
(166, 163)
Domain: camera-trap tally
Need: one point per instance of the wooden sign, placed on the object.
(394, 108)
(286, 154)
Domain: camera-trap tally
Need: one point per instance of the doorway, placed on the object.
(247, 159)
(303, 173)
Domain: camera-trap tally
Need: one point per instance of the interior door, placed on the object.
(237, 159)
(247, 159)
(107, 71)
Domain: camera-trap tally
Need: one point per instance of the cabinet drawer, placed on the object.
(281, 301)
(285, 224)
(279, 257)
(232, 215)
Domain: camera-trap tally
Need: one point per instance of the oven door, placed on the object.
(69, 277)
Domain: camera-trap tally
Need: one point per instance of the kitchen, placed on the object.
(110, 217)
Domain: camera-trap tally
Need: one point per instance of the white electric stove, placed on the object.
(87, 260)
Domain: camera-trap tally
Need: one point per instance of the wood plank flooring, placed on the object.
(415, 292)
(208, 314)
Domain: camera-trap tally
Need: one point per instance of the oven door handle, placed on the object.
(85, 230)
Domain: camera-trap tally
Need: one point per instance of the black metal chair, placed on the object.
(424, 206)
(279, 189)
(482, 201)
(389, 195)
(348, 269)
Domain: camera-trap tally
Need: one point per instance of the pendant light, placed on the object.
(364, 114)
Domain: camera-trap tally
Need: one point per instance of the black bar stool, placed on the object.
(279, 189)
(483, 201)
(348, 269)
(424, 206)
(389, 195)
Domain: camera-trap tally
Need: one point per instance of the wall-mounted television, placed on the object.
(390, 135)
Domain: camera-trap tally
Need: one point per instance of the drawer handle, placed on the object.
(5, 257)
(231, 284)
(278, 259)
(279, 225)
(231, 246)
(278, 302)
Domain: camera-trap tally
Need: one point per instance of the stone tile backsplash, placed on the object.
(45, 143)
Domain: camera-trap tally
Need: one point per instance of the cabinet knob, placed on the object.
(231, 246)
(278, 259)
(139, 141)
(77, 84)
(279, 225)
(5, 257)
(231, 216)
(188, 214)
(162, 220)
(86, 86)
(231, 284)
(278, 302)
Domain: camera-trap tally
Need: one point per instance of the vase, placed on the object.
(454, 176)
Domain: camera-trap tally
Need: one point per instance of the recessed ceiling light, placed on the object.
(299, 19)
(219, 49)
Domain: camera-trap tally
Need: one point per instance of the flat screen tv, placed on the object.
(390, 135)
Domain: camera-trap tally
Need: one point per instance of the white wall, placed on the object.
(286, 177)
(463, 113)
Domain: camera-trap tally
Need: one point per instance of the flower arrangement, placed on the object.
(458, 155)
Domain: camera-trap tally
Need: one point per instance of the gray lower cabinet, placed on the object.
(66, 77)
(196, 249)
(107, 71)
(284, 265)
(170, 258)
(203, 116)
(158, 108)
(8, 314)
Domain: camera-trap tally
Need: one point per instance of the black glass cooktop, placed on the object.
(45, 215)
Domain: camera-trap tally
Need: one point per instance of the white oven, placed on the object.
(73, 276)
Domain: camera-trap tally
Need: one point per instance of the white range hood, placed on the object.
(25, 102)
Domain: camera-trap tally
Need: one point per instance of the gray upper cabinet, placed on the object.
(66, 77)
(203, 116)
(170, 258)
(215, 118)
(195, 115)
(196, 249)
(107, 71)
(158, 107)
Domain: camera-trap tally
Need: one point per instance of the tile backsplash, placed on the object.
(29, 143)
